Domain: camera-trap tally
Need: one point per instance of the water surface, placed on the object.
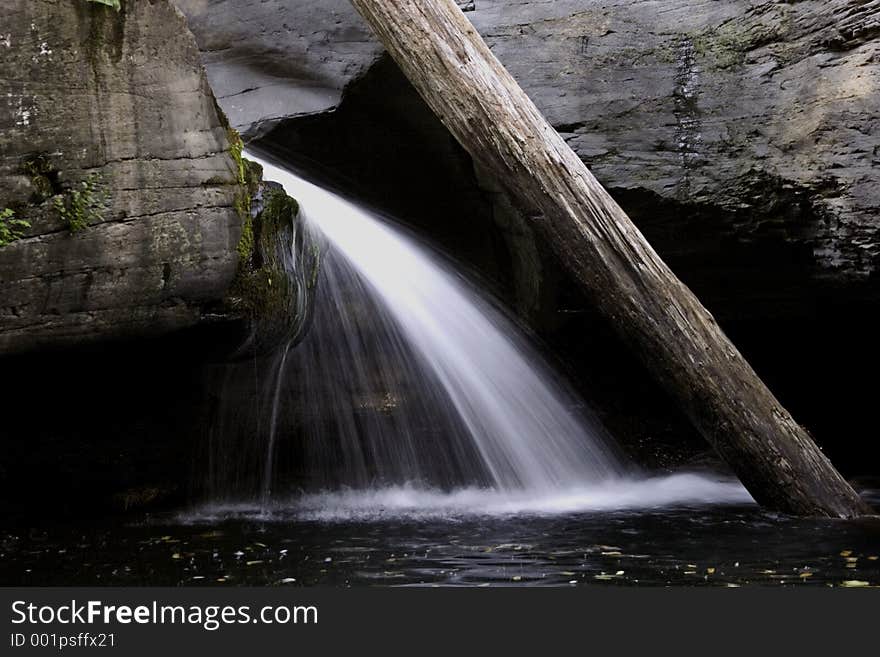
(404, 536)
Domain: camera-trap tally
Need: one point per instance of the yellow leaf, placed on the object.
(852, 583)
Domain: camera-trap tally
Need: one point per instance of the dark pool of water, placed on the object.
(691, 546)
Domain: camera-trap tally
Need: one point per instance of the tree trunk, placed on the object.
(659, 317)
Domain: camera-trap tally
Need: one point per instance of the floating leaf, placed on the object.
(853, 583)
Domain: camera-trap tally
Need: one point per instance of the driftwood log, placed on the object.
(481, 104)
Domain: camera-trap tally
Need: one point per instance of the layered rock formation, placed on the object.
(114, 152)
(754, 123)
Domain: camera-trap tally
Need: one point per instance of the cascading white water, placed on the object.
(457, 396)
(520, 417)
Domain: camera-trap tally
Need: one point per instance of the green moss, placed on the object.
(717, 48)
(724, 48)
(279, 211)
(83, 204)
(245, 246)
(236, 147)
(43, 175)
(11, 228)
(250, 176)
(262, 287)
(263, 293)
(253, 175)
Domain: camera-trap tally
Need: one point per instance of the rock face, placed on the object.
(108, 116)
(754, 123)
(276, 59)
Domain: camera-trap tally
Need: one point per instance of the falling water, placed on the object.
(452, 347)
(413, 389)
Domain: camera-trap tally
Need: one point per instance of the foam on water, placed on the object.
(414, 503)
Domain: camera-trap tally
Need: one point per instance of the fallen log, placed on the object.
(481, 104)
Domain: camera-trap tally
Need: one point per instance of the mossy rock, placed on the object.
(43, 176)
(269, 290)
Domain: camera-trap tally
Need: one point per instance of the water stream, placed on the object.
(418, 395)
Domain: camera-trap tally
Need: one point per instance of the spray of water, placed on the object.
(414, 389)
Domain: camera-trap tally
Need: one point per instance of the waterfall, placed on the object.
(411, 374)
(414, 393)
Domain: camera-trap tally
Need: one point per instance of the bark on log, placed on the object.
(494, 120)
